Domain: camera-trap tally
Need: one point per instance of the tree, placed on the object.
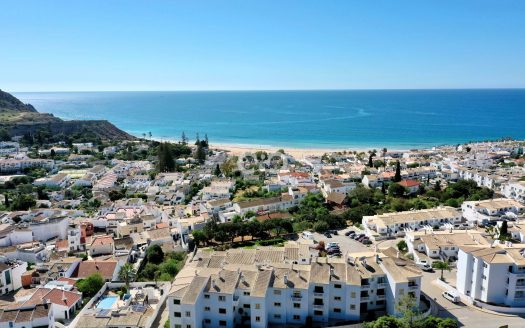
(407, 306)
(441, 265)
(217, 171)
(385, 322)
(154, 254)
(200, 154)
(437, 186)
(402, 246)
(52, 153)
(4, 135)
(184, 139)
(504, 230)
(370, 160)
(397, 176)
(396, 190)
(90, 285)
(22, 202)
(199, 237)
(384, 156)
(6, 200)
(127, 273)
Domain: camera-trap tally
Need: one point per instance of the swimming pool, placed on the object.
(107, 302)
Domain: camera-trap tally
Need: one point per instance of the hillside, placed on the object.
(19, 119)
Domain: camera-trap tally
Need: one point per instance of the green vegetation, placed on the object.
(411, 318)
(364, 201)
(127, 273)
(90, 285)
(441, 265)
(160, 266)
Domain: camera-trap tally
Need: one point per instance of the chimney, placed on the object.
(331, 271)
(377, 258)
(397, 254)
(285, 278)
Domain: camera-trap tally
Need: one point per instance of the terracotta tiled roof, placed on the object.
(102, 240)
(87, 268)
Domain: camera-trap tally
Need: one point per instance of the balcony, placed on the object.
(318, 294)
(318, 306)
(381, 285)
(365, 286)
(381, 297)
(297, 298)
(413, 287)
(365, 298)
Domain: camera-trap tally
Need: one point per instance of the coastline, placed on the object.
(297, 152)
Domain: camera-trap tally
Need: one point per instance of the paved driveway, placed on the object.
(466, 315)
(346, 244)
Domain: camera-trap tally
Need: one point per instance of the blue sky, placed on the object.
(238, 45)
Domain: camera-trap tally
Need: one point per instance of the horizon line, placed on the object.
(275, 90)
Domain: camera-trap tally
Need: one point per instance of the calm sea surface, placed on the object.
(356, 118)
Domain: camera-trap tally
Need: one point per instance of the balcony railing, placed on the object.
(365, 298)
(381, 297)
(318, 306)
(365, 286)
(318, 294)
(381, 285)
(297, 298)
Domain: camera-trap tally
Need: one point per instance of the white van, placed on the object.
(308, 235)
(451, 296)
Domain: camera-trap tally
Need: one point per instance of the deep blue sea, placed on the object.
(347, 118)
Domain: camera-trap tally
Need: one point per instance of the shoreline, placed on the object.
(297, 152)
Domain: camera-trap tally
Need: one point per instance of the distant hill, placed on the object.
(10, 102)
(19, 119)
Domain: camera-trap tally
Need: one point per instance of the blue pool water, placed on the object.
(344, 118)
(107, 302)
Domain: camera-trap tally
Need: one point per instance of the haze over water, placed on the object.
(310, 119)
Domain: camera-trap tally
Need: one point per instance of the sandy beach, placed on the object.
(237, 149)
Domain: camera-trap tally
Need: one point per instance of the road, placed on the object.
(466, 315)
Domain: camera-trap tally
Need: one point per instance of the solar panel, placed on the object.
(102, 313)
(138, 308)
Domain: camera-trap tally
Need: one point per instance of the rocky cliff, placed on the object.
(19, 119)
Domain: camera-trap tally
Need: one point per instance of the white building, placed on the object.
(398, 222)
(491, 210)
(514, 190)
(493, 275)
(284, 286)
(10, 275)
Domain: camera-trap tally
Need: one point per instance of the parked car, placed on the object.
(327, 235)
(350, 232)
(359, 236)
(423, 265)
(367, 242)
(360, 239)
(451, 296)
(331, 244)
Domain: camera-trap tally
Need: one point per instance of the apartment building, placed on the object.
(493, 274)
(491, 210)
(265, 205)
(284, 286)
(441, 245)
(398, 222)
(514, 190)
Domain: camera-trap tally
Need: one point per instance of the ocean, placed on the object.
(396, 119)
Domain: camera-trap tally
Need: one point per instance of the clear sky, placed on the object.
(282, 44)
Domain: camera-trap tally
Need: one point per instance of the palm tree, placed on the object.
(127, 273)
(441, 265)
(384, 156)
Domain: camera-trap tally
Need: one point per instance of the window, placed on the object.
(207, 296)
(401, 291)
(177, 314)
(277, 316)
(246, 306)
(222, 311)
(276, 292)
(296, 293)
(352, 306)
(317, 312)
(188, 326)
(257, 306)
(246, 293)
(337, 298)
(352, 295)
(206, 308)
(207, 321)
(337, 310)
(297, 305)
(318, 289)
(318, 301)
(485, 265)
(337, 286)
(188, 313)
(222, 323)
(257, 319)
(296, 317)
(277, 304)
(222, 298)
(176, 301)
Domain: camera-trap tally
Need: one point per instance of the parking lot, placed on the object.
(346, 244)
